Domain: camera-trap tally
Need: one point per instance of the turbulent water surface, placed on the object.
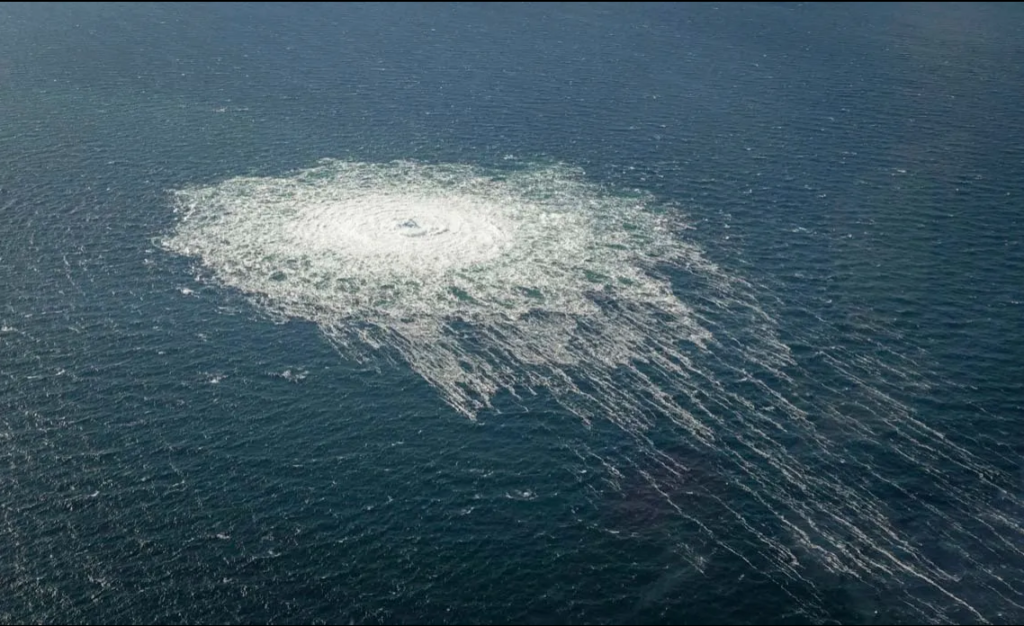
(617, 313)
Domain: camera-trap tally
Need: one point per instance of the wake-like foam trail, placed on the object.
(484, 281)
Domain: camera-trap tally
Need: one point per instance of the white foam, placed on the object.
(405, 250)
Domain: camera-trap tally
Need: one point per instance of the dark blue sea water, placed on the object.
(170, 454)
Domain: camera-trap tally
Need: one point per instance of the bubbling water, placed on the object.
(405, 249)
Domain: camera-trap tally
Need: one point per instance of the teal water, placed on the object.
(171, 452)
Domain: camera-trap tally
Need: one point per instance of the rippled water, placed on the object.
(616, 313)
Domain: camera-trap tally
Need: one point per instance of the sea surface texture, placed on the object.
(512, 313)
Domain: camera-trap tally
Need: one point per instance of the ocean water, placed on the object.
(539, 313)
